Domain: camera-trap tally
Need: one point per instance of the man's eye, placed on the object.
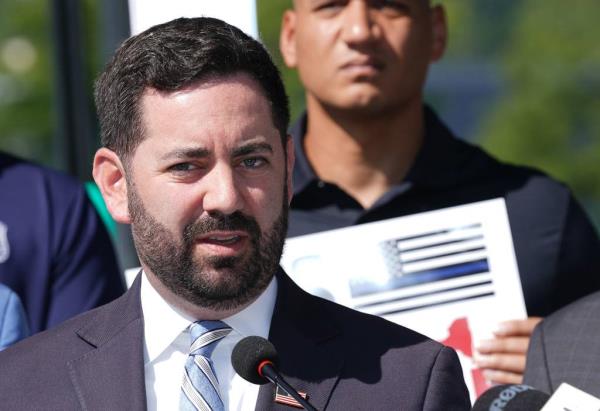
(392, 6)
(253, 162)
(329, 5)
(182, 167)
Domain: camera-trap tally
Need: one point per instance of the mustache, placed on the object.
(236, 221)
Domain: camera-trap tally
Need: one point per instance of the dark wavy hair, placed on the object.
(170, 57)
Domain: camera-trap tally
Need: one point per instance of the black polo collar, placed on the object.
(439, 163)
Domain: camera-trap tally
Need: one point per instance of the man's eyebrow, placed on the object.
(252, 148)
(186, 153)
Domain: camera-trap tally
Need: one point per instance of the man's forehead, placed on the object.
(296, 3)
(240, 90)
(202, 113)
(208, 81)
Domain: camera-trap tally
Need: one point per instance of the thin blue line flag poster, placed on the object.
(450, 274)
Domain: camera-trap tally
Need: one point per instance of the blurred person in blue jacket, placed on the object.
(55, 253)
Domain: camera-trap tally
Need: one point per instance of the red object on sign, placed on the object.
(460, 339)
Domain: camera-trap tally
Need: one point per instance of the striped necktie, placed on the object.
(200, 387)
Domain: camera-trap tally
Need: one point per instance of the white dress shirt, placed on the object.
(167, 343)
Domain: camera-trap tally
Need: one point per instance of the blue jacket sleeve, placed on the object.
(13, 324)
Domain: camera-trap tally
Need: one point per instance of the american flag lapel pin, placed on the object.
(282, 397)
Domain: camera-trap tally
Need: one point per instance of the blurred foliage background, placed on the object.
(28, 77)
(26, 116)
(520, 77)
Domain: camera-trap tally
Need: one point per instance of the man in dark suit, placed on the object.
(196, 157)
(565, 348)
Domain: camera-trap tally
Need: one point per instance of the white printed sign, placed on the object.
(569, 398)
(450, 274)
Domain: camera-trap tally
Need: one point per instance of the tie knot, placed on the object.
(206, 335)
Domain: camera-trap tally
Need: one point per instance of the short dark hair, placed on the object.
(170, 57)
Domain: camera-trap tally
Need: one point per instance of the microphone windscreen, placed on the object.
(509, 397)
(248, 354)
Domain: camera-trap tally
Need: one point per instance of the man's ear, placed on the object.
(287, 38)
(439, 29)
(289, 149)
(109, 175)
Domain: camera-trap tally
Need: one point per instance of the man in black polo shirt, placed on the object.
(368, 149)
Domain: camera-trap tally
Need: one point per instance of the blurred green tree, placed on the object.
(28, 92)
(549, 113)
(269, 14)
(26, 117)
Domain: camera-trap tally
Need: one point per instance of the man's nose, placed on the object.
(221, 193)
(358, 24)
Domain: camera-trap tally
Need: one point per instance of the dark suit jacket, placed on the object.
(342, 359)
(565, 347)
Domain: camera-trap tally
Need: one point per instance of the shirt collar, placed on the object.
(440, 148)
(163, 323)
(256, 318)
(442, 157)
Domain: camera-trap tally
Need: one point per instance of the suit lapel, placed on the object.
(111, 374)
(305, 338)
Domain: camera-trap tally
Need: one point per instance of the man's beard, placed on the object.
(172, 261)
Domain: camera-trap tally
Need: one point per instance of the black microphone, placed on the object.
(510, 397)
(255, 359)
